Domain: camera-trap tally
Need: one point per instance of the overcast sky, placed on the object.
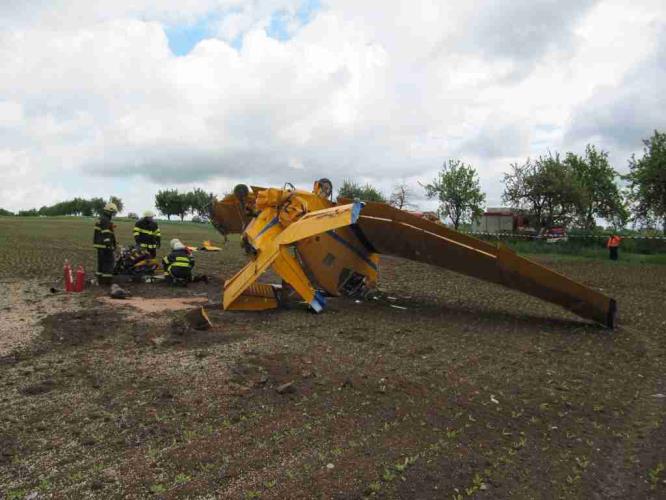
(128, 97)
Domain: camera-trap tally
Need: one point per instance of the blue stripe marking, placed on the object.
(267, 227)
(351, 247)
(318, 303)
(356, 211)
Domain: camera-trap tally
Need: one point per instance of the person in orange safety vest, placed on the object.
(613, 245)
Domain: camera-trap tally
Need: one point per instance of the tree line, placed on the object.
(172, 202)
(572, 190)
(76, 206)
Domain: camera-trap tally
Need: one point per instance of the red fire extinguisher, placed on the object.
(80, 283)
(69, 282)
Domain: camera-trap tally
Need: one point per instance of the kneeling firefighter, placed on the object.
(178, 264)
(104, 241)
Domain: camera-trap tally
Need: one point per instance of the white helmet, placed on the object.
(176, 244)
(111, 207)
(149, 214)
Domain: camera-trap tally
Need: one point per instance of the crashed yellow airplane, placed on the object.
(319, 247)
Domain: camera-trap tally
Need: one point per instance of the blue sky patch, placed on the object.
(278, 27)
(183, 38)
(307, 10)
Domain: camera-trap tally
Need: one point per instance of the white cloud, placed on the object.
(92, 99)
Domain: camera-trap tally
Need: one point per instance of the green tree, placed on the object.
(76, 206)
(5, 212)
(166, 202)
(457, 189)
(547, 188)
(647, 182)
(600, 196)
(170, 202)
(199, 202)
(181, 203)
(97, 206)
(85, 208)
(80, 206)
(353, 190)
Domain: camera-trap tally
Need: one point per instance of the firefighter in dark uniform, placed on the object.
(105, 243)
(146, 233)
(178, 264)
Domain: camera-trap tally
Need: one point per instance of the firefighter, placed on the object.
(104, 241)
(146, 233)
(613, 245)
(178, 264)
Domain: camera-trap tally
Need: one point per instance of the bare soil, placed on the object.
(464, 389)
(22, 305)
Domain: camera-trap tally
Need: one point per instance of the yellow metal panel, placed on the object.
(326, 255)
(384, 211)
(268, 238)
(395, 232)
(318, 222)
(264, 228)
(228, 216)
(244, 303)
(235, 286)
(257, 297)
(290, 271)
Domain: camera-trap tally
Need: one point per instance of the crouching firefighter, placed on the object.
(146, 233)
(104, 241)
(178, 264)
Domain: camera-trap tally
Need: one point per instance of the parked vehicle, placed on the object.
(554, 234)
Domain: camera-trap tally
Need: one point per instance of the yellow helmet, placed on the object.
(111, 207)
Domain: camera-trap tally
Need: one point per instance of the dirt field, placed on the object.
(463, 390)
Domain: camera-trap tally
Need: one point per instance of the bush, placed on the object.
(582, 245)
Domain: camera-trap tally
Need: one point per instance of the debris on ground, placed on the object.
(198, 319)
(207, 246)
(287, 388)
(118, 293)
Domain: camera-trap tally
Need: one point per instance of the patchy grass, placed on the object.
(37, 246)
(470, 391)
(625, 257)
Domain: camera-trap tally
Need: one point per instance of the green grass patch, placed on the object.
(632, 251)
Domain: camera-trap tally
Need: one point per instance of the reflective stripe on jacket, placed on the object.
(147, 234)
(104, 236)
(178, 264)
